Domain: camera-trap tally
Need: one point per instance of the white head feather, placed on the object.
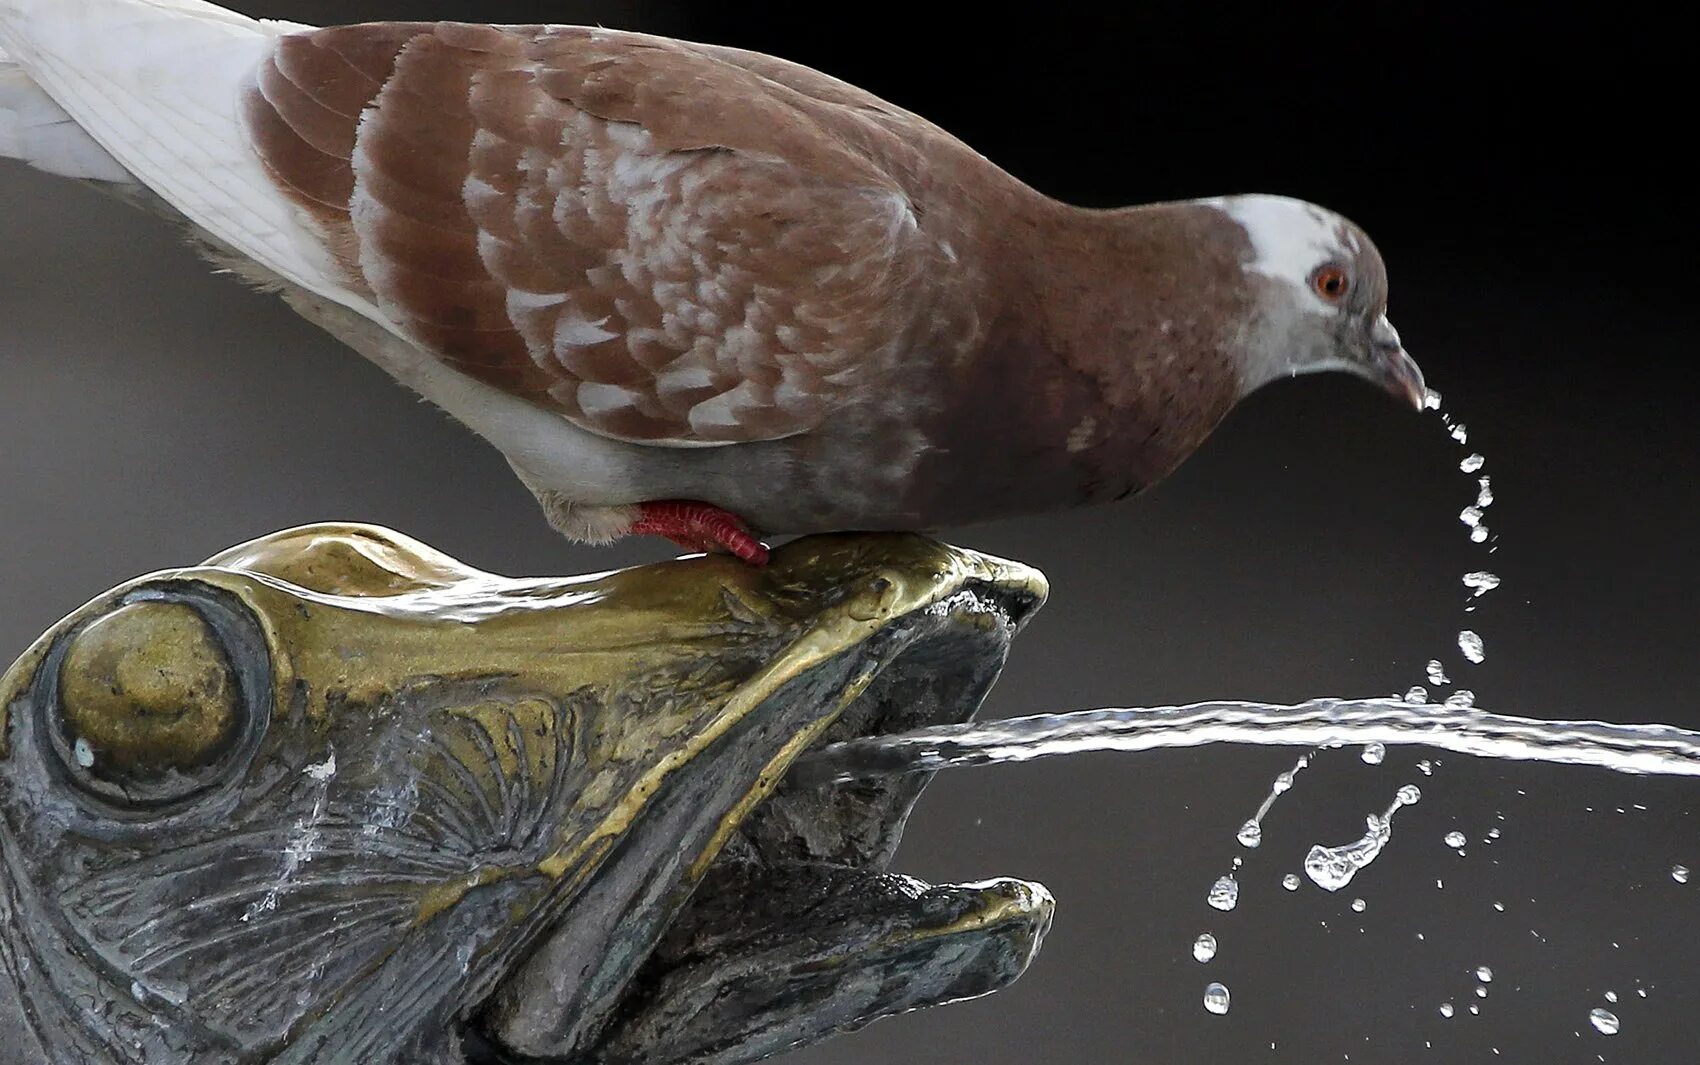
(1291, 238)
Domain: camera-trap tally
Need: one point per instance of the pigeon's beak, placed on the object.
(1394, 369)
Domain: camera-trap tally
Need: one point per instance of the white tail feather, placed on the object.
(37, 131)
(157, 86)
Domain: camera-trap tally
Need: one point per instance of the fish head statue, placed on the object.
(334, 796)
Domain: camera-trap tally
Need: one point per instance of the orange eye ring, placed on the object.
(1331, 283)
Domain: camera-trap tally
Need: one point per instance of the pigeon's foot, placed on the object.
(700, 527)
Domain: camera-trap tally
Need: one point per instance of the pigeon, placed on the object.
(689, 290)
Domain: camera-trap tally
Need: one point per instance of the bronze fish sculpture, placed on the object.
(335, 797)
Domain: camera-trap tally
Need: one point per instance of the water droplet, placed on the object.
(1455, 840)
(1332, 868)
(1437, 672)
(1250, 834)
(1481, 992)
(1409, 795)
(1611, 996)
(1359, 905)
(1374, 753)
(1484, 493)
(1679, 873)
(1216, 999)
(1204, 947)
(1290, 881)
(1225, 893)
(1471, 516)
(1459, 433)
(1481, 582)
(1461, 699)
(1499, 907)
(1426, 767)
(1484, 974)
(1471, 645)
(1446, 1009)
(1604, 1021)
(1472, 463)
(1431, 399)
(1475, 1010)
(1417, 695)
(1479, 534)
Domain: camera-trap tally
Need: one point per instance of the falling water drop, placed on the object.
(1290, 881)
(1250, 834)
(1604, 1021)
(1204, 947)
(1216, 999)
(1431, 399)
(1479, 534)
(1484, 974)
(1611, 996)
(1460, 434)
(1461, 698)
(1446, 1009)
(1359, 905)
(1224, 893)
(1417, 695)
(1472, 463)
(1471, 645)
(1455, 840)
(1332, 868)
(1679, 873)
(1484, 493)
(1471, 516)
(1436, 674)
(1374, 753)
(1480, 582)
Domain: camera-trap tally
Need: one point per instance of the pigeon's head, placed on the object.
(1321, 298)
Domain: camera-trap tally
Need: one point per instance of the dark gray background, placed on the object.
(154, 414)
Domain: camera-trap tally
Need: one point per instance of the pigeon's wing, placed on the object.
(667, 243)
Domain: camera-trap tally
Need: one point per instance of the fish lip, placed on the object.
(989, 607)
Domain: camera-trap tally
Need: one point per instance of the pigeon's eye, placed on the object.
(1331, 282)
(152, 704)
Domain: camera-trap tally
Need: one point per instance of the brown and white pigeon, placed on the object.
(690, 290)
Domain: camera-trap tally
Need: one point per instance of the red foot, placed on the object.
(700, 527)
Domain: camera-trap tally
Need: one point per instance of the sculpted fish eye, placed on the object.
(1331, 282)
(149, 706)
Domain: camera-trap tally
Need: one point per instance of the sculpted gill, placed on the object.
(684, 287)
(336, 797)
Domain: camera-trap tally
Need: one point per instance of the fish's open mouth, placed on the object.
(798, 928)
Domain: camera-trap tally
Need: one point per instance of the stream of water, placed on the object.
(1648, 749)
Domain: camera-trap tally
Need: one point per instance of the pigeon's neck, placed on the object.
(1145, 307)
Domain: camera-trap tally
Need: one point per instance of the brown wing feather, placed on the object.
(665, 243)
